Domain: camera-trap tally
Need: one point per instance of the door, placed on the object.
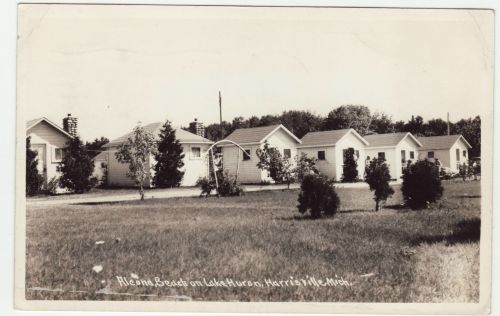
(41, 150)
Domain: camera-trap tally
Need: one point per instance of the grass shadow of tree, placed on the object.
(466, 231)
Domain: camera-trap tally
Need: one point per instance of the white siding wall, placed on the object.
(326, 167)
(45, 134)
(248, 171)
(350, 141)
(117, 172)
(443, 155)
(453, 158)
(194, 168)
(407, 145)
(390, 158)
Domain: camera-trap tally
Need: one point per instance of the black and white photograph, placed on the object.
(189, 155)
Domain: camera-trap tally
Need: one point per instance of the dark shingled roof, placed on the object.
(380, 140)
(323, 138)
(251, 135)
(155, 128)
(441, 142)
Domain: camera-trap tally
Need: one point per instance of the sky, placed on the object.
(113, 66)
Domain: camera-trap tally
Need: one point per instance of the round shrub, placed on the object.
(421, 184)
(317, 195)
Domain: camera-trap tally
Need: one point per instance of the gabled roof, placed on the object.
(328, 138)
(33, 122)
(389, 140)
(257, 135)
(442, 142)
(155, 128)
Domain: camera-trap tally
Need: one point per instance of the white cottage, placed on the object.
(193, 146)
(252, 139)
(450, 150)
(48, 140)
(329, 147)
(396, 148)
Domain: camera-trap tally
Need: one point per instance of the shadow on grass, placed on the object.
(302, 218)
(466, 231)
(467, 196)
(99, 203)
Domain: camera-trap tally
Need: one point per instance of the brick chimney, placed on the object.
(197, 128)
(70, 124)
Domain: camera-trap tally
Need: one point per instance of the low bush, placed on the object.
(226, 182)
(317, 195)
(421, 184)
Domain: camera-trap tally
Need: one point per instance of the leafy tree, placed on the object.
(217, 131)
(415, 126)
(381, 123)
(95, 148)
(317, 195)
(378, 177)
(305, 166)
(301, 122)
(435, 127)
(169, 159)
(471, 129)
(350, 168)
(136, 152)
(76, 167)
(280, 169)
(349, 116)
(34, 180)
(421, 184)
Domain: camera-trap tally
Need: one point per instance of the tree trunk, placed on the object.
(141, 192)
(376, 205)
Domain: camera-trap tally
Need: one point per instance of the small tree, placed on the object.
(421, 184)
(169, 159)
(280, 168)
(350, 168)
(76, 167)
(34, 180)
(378, 177)
(317, 195)
(136, 152)
(305, 166)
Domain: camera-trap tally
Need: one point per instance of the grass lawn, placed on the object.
(395, 255)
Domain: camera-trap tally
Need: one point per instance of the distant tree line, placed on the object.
(358, 117)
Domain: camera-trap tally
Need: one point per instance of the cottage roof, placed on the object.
(330, 138)
(33, 122)
(256, 135)
(441, 142)
(154, 128)
(389, 140)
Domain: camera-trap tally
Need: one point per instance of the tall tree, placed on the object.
(34, 180)
(350, 168)
(169, 159)
(76, 167)
(136, 152)
(435, 127)
(381, 123)
(349, 116)
(378, 177)
(95, 147)
(301, 122)
(471, 129)
(415, 126)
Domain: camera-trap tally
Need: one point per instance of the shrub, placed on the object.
(52, 185)
(350, 168)
(317, 195)
(76, 167)
(305, 166)
(227, 185)
(378, 177)
(280, 168)
(421, 184)
(34, 180)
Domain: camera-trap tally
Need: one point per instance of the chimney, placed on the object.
(70, 124)
(197, 128)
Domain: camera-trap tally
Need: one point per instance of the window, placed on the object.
(287, 153)
(357, 154)
(458, 154)
(195, 152)
(247, 155)
(430, 154)
(381, 155)
(321, 155)
(412, 155)
(464, 153)
(58, 154)
(403, 156)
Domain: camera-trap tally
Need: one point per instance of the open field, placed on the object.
(395, 255)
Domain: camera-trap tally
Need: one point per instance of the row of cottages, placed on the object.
(48, 140)
(329, 148)
(193, 146)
